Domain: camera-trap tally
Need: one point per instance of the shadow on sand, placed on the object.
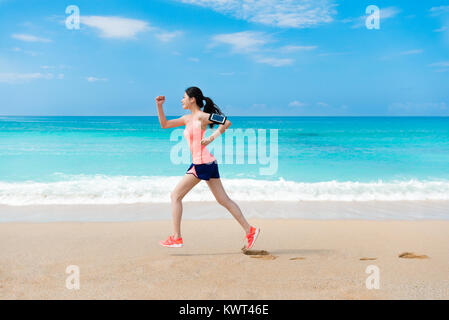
(267, 255)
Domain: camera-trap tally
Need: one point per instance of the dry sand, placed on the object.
(303, 259)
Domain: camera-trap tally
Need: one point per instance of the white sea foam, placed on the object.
(101, 189)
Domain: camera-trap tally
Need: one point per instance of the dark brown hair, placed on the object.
(209, 107)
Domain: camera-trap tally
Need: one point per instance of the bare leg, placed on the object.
(222, 198)
(181, 189)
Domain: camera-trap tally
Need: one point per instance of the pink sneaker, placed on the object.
(172, 243)
(251, 237)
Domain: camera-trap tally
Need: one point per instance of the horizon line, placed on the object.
(261, 116)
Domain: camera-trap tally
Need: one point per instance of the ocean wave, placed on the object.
(102, 189)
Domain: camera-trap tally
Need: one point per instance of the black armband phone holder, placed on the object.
(217, 118)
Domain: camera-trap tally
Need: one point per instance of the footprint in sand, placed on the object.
(258, 254)
(264, 257)
(364, 259)
(411, 255)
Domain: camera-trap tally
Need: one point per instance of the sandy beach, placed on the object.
(304, 259)
(326, 123)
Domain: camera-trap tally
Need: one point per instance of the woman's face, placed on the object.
(187, 101)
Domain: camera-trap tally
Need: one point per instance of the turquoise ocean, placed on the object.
(114, 160)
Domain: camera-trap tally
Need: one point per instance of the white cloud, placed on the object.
(410, 52)
(250, 43)
(242, 42)
(280, 13)
(293, 48)
(389, 12)
(443, 28)
(165, 36)
(326, 54)
(115, 27)
(29, 38)
(253, 44)
(403, 53)
(439, 10)
(226, 73)
(296, 103)
(443, 13)
(126, 28)
(194, 59)
(23, 77)
(440, 64)
(95, 79)
(60, 75)
(31, 53)
(275, 62)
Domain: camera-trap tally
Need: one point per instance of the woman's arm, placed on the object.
(163, 120)
(220, 130)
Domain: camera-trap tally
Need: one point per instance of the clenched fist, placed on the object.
(160, 100)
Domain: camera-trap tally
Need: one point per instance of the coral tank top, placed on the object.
(194, 134)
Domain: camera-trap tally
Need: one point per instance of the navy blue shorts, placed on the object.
(204, 171)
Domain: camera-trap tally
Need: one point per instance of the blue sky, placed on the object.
(281, 58)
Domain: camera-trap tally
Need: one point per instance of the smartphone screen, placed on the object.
(217, 118)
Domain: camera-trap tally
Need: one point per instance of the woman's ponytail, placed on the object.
(211, 107)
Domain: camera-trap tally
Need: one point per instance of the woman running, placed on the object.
(204, 165)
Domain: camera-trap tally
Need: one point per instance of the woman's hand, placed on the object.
(160, 100)
(206, 141)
